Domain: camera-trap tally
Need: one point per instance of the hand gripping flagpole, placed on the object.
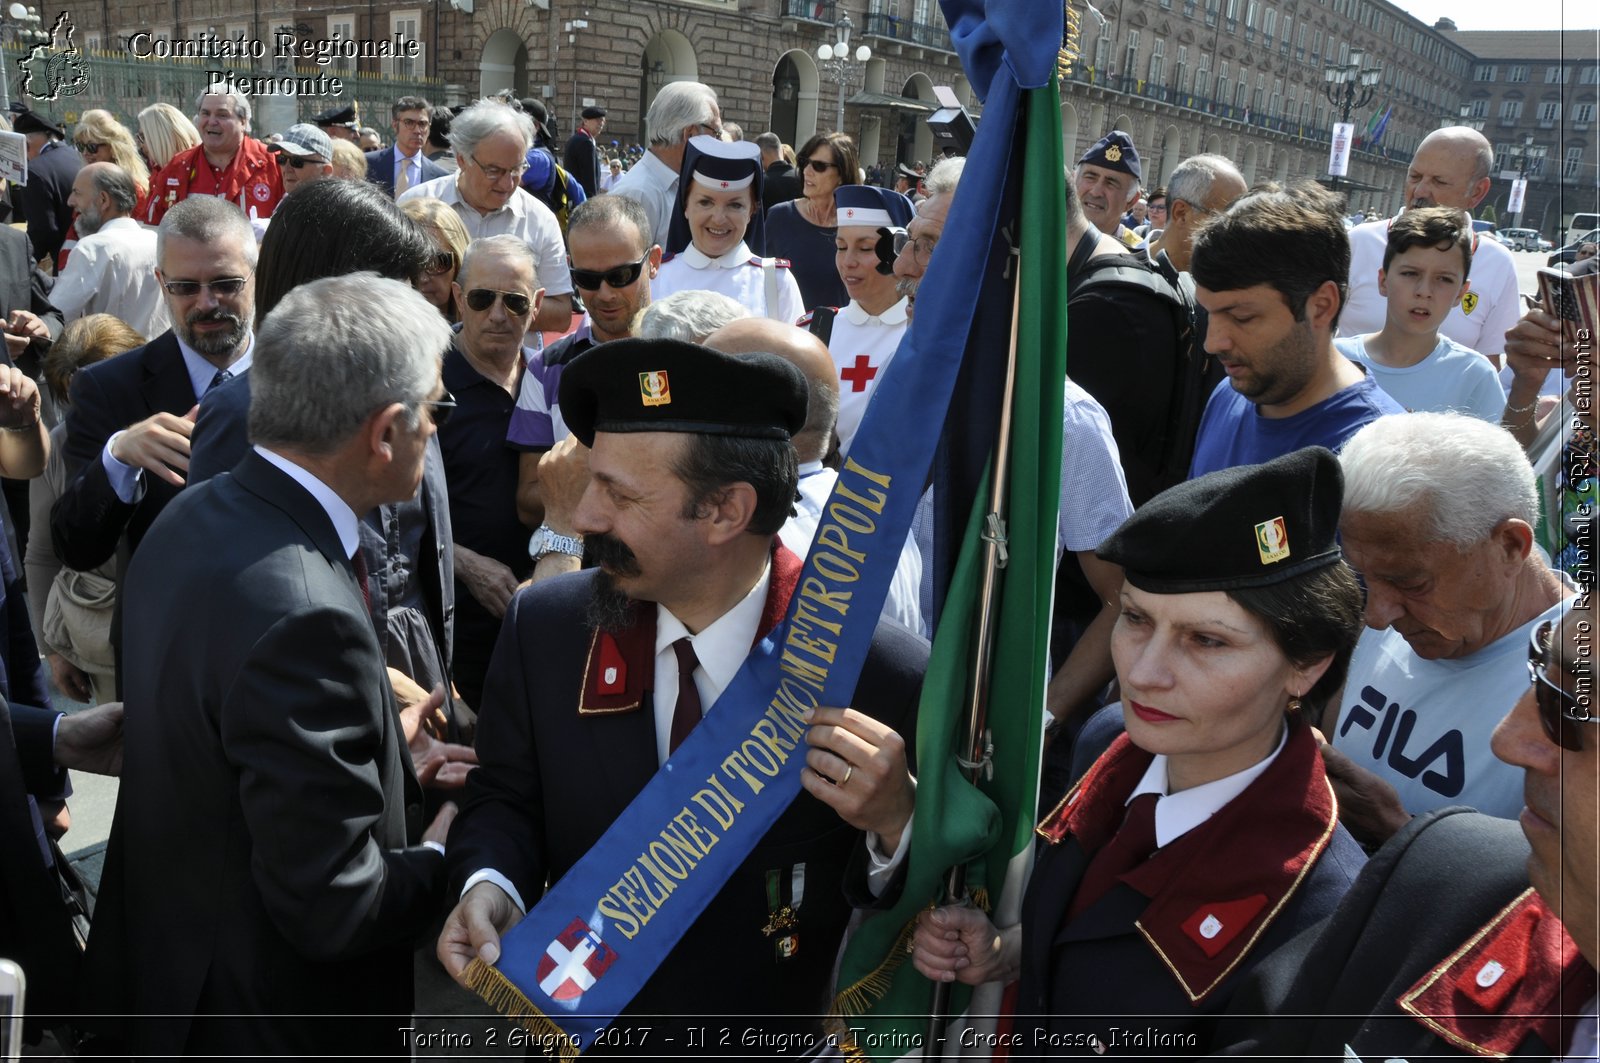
(975, 741)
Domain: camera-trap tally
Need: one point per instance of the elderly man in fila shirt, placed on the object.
(863, 335)
(226, 163)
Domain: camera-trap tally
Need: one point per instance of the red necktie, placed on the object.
(1133, 843)
(686, 714)
(358, 561)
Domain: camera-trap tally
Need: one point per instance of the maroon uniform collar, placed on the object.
(1214, 891)
(622, 666)
(1513, 978)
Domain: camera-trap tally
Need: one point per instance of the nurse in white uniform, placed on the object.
(718, 213)
(865, 333)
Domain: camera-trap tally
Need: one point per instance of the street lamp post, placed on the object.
(1522, 175)
(1350, 86)
(835, 60)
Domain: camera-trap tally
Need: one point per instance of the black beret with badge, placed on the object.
(1114, 151)
(637, 385)
(1248, 526)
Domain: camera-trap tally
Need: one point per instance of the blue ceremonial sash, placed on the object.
(595, 938)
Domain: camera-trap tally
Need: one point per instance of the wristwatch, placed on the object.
(549, 541)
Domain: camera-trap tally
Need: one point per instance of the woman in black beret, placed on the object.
(1207, 833)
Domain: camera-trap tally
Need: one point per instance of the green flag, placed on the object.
(883, 1000)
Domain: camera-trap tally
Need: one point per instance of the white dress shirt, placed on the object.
(738, 274)
(523, 217)
(655, 185)
(402, 163)
(113, 271)
(1179, 813)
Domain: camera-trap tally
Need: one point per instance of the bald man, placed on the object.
(1450, 169)
(810, 355)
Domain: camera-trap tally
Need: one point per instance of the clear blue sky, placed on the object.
(1499, 15)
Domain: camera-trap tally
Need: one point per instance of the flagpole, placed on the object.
(975, 741)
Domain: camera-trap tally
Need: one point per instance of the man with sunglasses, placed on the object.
(491, 141)
(304, 154)
(1443, 948)
(112, 270)
(613, 262)
(499, 296)
(127, 450)
(679, 111)
(1439, 519)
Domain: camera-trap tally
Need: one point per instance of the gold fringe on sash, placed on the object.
(501, 994)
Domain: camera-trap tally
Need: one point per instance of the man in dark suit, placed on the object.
(52, 166)
(264, 878)
(397, 168)
(582, 154)
(37, 747)
(128, 431)
(782, 182)
(693, 569)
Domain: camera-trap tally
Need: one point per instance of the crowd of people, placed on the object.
(402, 509)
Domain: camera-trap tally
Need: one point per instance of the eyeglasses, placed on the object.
(413, 123)
(617, 276)
(297, 161)
(222, 286)
(921, 247)
(495, 173)
(711, 130)
(481, 299)
(88, 149)
(443, 262)
(1560, 712)
(818, 166)
(441, 408)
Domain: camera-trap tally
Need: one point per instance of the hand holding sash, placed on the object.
(474, 928)
(857, 767)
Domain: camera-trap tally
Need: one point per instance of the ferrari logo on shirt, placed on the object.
(1272, 540)
(1469, 302)
(653, 388)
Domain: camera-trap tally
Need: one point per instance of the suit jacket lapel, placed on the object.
(261, 478)
(166, 383)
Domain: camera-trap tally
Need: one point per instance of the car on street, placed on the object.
(1565, 254)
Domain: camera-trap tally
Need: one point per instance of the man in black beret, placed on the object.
(340, 122)
(598, 675)
(582, 154)
(1107, 179)
(52, 167)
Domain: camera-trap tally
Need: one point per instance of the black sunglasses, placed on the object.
(442, 262)
(481, 299)
(221, 287)
(88, 149)
(297, 161)
(818, 165)
(1560, 712)
(617, 276)
(441, 408)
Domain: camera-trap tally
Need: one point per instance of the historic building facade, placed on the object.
(1247, 78)
(1534, 94)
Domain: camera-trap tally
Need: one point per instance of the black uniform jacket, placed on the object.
(562, 752)
(1439, 950)
(1162, 952)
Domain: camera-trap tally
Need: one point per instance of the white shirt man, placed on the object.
(113, 272)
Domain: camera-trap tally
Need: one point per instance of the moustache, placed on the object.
(216, 314)
(610, 553)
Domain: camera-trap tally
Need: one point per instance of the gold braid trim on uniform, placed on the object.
(1408, 1001)
(1305, 869)
(501, 994)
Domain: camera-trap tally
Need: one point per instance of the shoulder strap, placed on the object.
(820, 324)
(769, 272)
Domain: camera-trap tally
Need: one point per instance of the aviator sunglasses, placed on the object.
(617, 276)
(481, 299)
(1560, 712)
